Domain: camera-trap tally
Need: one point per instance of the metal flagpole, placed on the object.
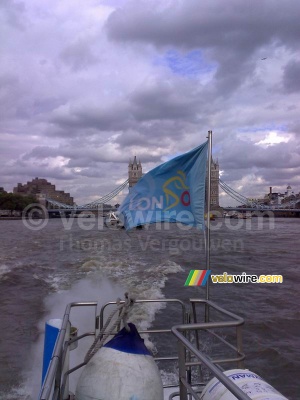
(208, 210)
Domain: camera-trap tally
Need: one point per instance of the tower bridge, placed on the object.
(100, 204)
(135, 173)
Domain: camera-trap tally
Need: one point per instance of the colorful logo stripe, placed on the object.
(197, 277)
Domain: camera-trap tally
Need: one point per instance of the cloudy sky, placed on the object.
(87, 84)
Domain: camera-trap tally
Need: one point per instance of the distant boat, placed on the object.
(244, 216)
(230, 215)
(112, 219)
(85, 214)
(211, 217)
(237, 215)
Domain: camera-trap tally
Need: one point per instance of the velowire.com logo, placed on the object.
(198, 277)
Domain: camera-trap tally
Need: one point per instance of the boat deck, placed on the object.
(207, 340)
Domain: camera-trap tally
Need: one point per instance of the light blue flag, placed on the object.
(172, 192)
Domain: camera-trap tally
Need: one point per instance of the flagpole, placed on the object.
(207, 267)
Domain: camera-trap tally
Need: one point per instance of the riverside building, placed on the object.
(42, 189)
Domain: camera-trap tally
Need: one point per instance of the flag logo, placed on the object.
(197, 277)
(179, 183)
(172, 192)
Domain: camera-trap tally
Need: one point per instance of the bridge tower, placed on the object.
(135, 172)
(214, 182)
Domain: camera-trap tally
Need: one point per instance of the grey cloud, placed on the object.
(28, 107)
(294, 126)
(291, 77)
(101, 171)
(17, 102)
(54, 105)
(162, 102)
(12, 12)
(276, 166)
(78, 56)
(101, 119)
(282, 177)
(41, 152)
(152, 110)
(148, 136)
(156, 134)
(46, 104)
(7, 81)
(233, 33)
(259, 181)
(24, 170)
(240, 154)
(131, 138)
(231, 73)
(12, 94)
(240, 25)
(81, 156)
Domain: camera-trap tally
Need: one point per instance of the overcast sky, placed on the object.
(87, 84)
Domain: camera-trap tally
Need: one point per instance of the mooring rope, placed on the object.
(123, 309)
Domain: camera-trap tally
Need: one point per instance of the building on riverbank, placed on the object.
(276, 198)
(41, 188)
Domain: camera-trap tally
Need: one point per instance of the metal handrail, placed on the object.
(148, 331)
(183, 310)
(184, 344)
(55, 379)
(237, 323)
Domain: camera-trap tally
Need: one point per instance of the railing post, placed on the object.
(239, 344)
(197, 335)
(182, 371)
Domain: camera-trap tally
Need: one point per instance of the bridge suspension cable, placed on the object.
(254, 204)
(95, 204)
(234, 194)
(107, 197)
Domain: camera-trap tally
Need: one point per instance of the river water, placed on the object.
(74, 260)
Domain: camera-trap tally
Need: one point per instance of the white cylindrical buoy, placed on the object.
(250, 383)
(121, 370)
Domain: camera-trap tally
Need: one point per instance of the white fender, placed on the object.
(127, 374)
(250, 383)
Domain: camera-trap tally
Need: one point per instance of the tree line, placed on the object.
(15, 202)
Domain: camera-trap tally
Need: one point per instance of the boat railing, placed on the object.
(190, 360)
(184, 316)
(53, 382)
(190, 356)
